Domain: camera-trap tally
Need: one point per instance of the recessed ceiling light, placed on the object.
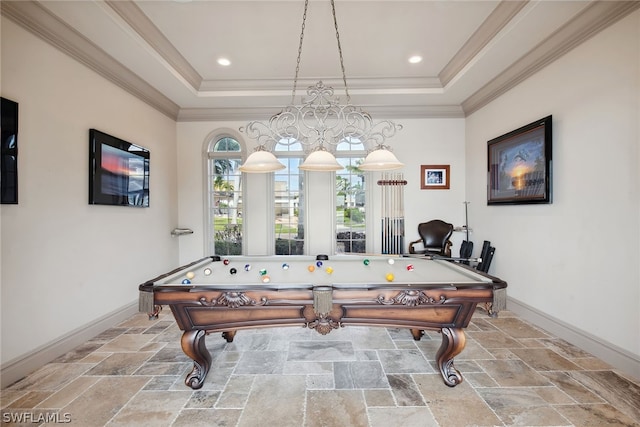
(415, 59)
(224, 62)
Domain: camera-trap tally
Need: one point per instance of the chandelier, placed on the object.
(320, 123)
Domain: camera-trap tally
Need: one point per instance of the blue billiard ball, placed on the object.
(186, 282)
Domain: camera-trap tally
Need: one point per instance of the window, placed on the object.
(351, 198)
(225, 196)
(289, 199)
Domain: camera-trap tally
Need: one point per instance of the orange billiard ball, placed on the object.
(311, 268)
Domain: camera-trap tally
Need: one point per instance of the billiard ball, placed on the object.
(186, 281)
(207, 271)
(311, 268)
(263, 272)
(285, 266)
(366, 262)
(266, 279)
(233, 271)
(190, 275)
(225, 262)
(389, 277)
(319, 263)
(247, 267)
(410, 267)
(391, 261)
(329, 270)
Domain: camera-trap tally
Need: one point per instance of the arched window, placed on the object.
(224, 185)
(289, 199)
(351, 200)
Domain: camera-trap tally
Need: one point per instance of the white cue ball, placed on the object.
(190, 275)
(207, 271)
(391, 261)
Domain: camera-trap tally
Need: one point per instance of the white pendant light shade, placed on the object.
(321, 161)
(261, 161)
(380, 160)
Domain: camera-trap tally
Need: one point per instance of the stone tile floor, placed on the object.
(514, 375)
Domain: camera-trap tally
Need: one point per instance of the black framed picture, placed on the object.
(118, 171)
(9, 156)
(519, 165)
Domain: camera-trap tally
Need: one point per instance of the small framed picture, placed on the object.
(434, 177)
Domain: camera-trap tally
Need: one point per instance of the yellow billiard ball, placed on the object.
(190, 275)
(329, 270)
(389, 277)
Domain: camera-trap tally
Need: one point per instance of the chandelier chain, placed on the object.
(335, 24)
(295, 79)
(344, 74)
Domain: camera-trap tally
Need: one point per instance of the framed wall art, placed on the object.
(435, 177)
(9, 158)
(118, 171)
(519, 165)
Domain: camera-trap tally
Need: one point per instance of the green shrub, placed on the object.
(354, 215)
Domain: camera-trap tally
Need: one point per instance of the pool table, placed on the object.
(226, 294)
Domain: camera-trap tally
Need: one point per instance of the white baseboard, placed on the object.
(22, 366)
(615, 356)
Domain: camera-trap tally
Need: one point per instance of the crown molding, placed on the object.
(263, 113)
(39, 21)
(357, 83)
(593, 19)
(495, 22)
(142, 25)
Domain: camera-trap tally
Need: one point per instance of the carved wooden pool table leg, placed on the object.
(453, 341)
(229, 335)
(194, 346)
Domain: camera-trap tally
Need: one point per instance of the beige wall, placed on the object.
(421, 141)
(576, 260)
(66, 264)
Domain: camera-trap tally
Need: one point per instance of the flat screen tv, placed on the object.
(118, 171)
(9, 159)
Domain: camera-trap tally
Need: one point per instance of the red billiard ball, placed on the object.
(410, 267)
(225, 262)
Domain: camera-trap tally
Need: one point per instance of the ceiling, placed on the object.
(166, 52)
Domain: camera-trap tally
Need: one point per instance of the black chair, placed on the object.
(434, 238)
(486, 256)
